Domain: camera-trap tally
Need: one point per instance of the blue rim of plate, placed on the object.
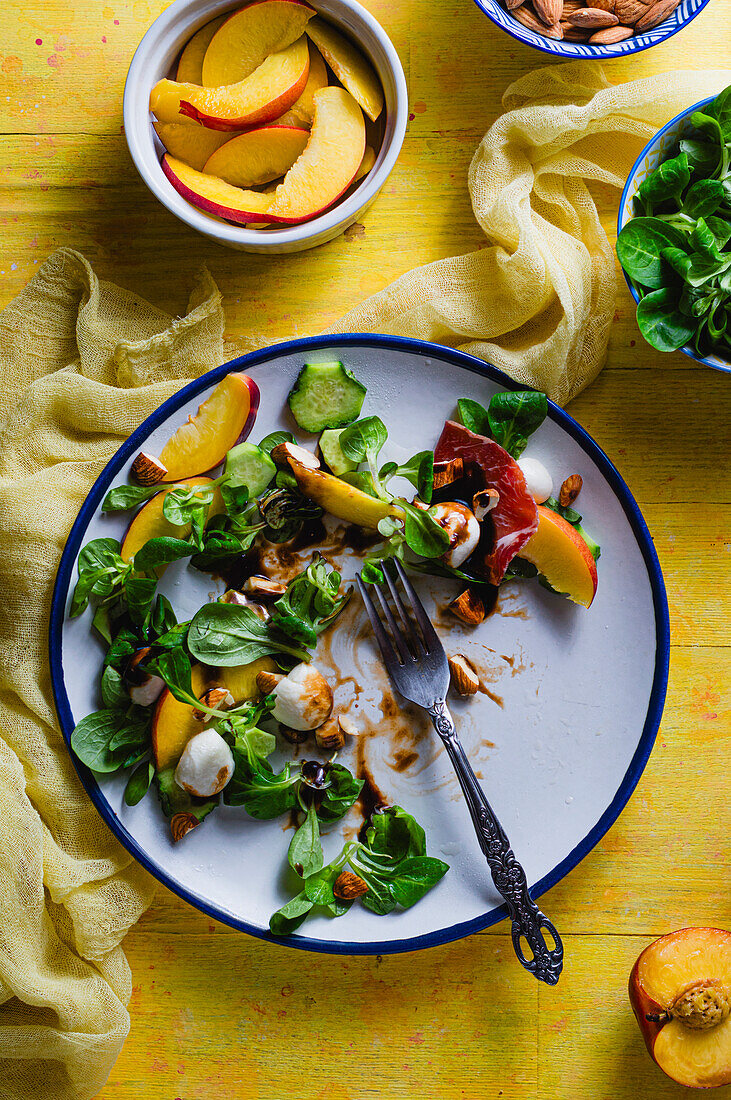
(683, 14)
(725, 368)
(432, 352)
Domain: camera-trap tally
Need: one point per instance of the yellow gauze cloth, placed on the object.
(84, 362)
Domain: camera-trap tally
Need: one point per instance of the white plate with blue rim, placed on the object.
(559, 738)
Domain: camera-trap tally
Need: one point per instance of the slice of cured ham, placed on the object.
(515, 518)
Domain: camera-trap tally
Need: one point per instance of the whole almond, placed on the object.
(608, 35)
(605, 5)
(574, 34)
(592, 18)
(348, 886)
(656, 14)
(570, 489)
(525, 16)
(548, 11)
(569, 6)
(629, 11)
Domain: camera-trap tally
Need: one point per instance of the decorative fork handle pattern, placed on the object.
(509, 877)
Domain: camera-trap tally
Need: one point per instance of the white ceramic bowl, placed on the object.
(152, 61)
(659, 148)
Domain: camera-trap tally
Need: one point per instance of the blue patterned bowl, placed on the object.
(683, 14)
(657, 149)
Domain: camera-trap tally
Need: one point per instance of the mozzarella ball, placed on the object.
(303, 699)
(206, 765)
(537, 478)
(462, 527)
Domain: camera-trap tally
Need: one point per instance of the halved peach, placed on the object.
(302, 111)
(349, 65)
(249, 36)
(173, 723)
(558, 552)
(329, 163)
(680, 991)
(257, 156)
(224, 418)
(190, 143)
(150, 523)
(264, 95)
(240, 680)
(190, 66)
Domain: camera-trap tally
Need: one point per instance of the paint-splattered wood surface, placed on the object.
(215, 1013)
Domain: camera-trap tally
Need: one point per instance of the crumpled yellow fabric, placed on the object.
(538, 298)
(83, 362)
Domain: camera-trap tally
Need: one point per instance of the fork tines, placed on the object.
(410, 641)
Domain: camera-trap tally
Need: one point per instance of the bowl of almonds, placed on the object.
(591, 28)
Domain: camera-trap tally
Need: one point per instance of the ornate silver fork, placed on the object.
(417, 665)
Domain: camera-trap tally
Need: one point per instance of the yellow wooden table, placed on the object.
(217, 1014)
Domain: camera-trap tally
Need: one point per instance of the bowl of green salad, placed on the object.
(674, 234)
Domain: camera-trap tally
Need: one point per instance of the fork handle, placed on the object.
(527, 919)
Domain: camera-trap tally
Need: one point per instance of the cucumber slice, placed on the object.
(331, 451)
(325, 395)
(250, 466)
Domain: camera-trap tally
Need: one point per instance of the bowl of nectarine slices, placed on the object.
(269, 126)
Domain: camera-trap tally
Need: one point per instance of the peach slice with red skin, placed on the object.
(191, 144)
(264, 95)
(349, 65)
(225, 418)
(559, 552)
(190, 66)
(150, 523)
(258, 156)
(327, 167)
(248, 36)
(680, 991)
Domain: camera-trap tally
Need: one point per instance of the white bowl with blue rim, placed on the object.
(659, 148)
(502, 18)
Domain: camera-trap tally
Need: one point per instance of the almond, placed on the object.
(147, 469)
(446, 473)
(267, 681)
(232, 596)
(592, 18)
(656, 14)
(607, 35)
(512, 4)
(468, 607)
(348, 886)
(629, 11)
(525, 16)
(604, 5)
(283, 453)
(574, 34)
(262, 588)
(548, 11)
(180, 824)
(483, 502)
(218, 698)
(572, 485)
(329, 735)
(465, 680)
(348, 726)
(569, 6)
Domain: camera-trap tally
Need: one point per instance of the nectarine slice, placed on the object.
(215, 196)
(240, 680)
(190, 66)
(173, 723)
(191, 143)
(680, 990)
(369, 159)
(224, 418)
(258, 156)
(302, 111)
(247, 37)
(329, 163)
(341, 500)
(558, 552)
(264, 95)
(349, 65)
(150, 523)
